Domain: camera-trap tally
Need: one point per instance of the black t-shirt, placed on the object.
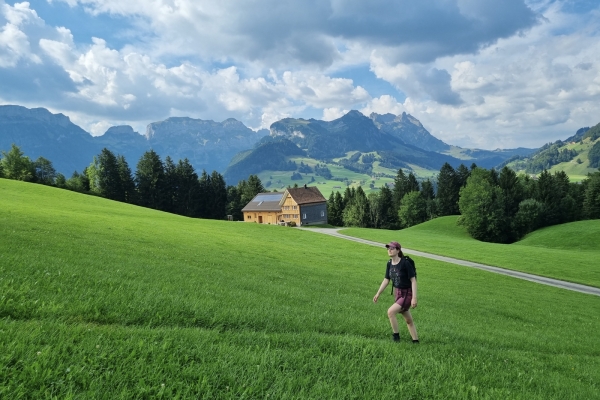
(400, 273)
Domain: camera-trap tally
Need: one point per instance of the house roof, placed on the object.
(304, 195)
(265, 202)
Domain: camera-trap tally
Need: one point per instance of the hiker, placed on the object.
(401, 271)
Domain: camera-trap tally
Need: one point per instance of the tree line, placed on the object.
(161, 185)
(494, 206)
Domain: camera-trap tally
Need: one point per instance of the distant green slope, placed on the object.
(552, 156)
(580, 235)
(537, 254)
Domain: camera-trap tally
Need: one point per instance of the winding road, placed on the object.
(515, 274)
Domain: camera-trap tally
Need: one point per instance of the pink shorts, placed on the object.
(403, 298)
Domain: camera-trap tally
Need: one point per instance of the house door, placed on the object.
(260, 219)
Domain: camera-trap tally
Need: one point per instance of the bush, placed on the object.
(291, 224)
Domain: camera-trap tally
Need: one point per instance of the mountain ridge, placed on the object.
(214, 145)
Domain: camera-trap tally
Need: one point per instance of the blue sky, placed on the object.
(476, 73)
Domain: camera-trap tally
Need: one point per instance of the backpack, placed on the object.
(410, 260)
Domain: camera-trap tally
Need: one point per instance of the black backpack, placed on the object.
(410, 260)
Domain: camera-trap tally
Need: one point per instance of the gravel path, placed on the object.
(516, 274)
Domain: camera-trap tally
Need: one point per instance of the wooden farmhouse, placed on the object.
(303, 205)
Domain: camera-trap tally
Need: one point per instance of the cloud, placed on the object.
(496, 73)
(417, 81)
(283, 33)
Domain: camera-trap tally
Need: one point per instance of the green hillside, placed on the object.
(576, 243)
(104, 300)
(341, 176)
(577, 166)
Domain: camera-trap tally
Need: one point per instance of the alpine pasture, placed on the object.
(104, 300)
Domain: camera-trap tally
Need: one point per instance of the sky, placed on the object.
(477, 73)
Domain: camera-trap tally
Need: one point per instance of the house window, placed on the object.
(322, 213)
(295, 207)
(304, 216)
(249, 217)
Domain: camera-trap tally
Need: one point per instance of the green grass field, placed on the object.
(100, 299)
(569, 252)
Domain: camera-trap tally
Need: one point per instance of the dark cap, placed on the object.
(393, 245)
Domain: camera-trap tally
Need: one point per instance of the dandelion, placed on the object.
(97, 346)
(39, 353)
(162, 385)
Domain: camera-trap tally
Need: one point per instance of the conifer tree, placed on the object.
(412, 185)
(127, 182)
(187, 196)
(150, 181)
(591, 202)
(107, 179)
(462, 174)
(447, 193)
(234, 203)
(171, 186)
(218, 196)
(205, 192)
(399, 188)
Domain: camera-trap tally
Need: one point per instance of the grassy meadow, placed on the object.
(282, 179)
(569, 252)
(104, 300)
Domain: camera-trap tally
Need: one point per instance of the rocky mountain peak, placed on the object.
(39, 114)
(120, 131)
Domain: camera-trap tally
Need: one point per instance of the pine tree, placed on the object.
(127, 182)
(107, 180)
(218, 198)
(412, 185)
(234, 203)
(462, 174)
(400, 183)
(150, 181)
(205, 193)
(331, 209)
(188, 189)
(448, 189)
(388, 211)
(171, 187)
(591, 202)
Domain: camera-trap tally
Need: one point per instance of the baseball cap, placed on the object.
(394, 245)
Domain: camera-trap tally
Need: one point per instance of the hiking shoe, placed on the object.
(396, 337)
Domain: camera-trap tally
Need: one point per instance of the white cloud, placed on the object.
(14, 43)
(383, 105)
(478, 72)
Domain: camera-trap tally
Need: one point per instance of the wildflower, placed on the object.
(39, 353)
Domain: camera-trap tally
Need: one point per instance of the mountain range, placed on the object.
(235, 150)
